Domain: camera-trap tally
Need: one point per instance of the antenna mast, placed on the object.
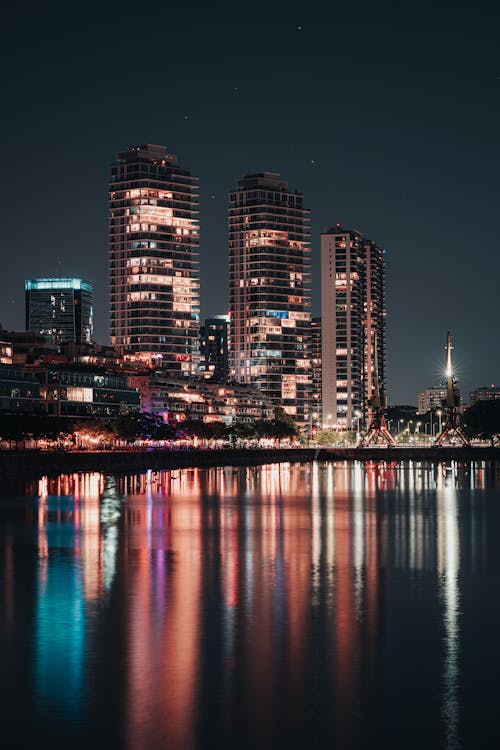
(451, 431)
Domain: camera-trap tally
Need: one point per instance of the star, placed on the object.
(212, 196)
(299, 28)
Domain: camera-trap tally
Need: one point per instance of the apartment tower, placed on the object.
(353, 323)
(268, 291)
(154, 259)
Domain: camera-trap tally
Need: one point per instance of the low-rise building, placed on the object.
(485, 393)
(84, 392)
(176, 399)
(432, 398)
(19, 392)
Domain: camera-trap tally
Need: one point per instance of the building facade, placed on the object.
(353, 325)
(176, 399)
(316, 372)
(214, 348)
(154, 259)
(432, 398)
(19, 391)
(85, 392)
(269, 291)
(60, 310)
(486, 393)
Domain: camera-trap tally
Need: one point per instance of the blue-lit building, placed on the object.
(60, 310)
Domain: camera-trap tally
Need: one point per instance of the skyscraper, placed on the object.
(353, 323)
(60, 310)
(268, 290)
(154, 264)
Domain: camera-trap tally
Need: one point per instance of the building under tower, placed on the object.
(154, 258)
(214, 349)
(353, 318)
(269, 291)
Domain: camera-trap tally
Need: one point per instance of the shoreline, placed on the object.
(30, 463)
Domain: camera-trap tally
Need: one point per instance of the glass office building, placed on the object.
(60, 310)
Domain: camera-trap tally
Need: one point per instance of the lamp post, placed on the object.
(312, 419)
(399, 426)
(439, 412)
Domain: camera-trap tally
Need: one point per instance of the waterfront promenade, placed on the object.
(123, 461)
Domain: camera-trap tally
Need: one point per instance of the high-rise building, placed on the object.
(60, 310)
(214, 348)
(353, 325)
(316, 371)
(268, 291)
(154, 264)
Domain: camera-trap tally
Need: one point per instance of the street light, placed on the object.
(439, 412)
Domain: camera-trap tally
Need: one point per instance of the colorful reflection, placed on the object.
(196, 607)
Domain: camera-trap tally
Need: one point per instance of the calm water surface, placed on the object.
(306, 606)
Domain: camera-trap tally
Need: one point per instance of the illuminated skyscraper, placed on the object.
(352, 319)
(60, 310)
(154, 265)
(268, 291)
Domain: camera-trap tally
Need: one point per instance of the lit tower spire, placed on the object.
(451, 431)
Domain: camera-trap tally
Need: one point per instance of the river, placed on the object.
(317, 605)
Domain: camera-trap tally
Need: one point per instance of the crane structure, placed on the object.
(451, 431)
(377, 433)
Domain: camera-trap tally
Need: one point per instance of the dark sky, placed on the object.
(385, 115)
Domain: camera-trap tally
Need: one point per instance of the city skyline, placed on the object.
(377, 135)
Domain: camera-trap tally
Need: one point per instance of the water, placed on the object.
(324, 606)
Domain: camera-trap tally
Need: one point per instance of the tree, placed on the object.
(284, 426)
(329, 437)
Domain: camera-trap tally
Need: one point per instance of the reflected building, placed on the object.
(154, 266)
(269, 291)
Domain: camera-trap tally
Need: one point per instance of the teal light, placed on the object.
(36, 284)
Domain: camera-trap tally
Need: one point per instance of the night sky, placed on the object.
(385, 115)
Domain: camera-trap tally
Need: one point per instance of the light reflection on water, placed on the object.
(301, 606)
